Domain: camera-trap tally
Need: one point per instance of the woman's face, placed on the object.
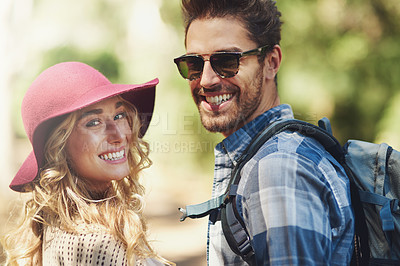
(98, 145)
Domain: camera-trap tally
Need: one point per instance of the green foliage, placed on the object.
(344, 54)
(170, 12)
(104, 61)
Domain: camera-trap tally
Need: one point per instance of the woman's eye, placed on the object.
(93, 123)
(120, 116)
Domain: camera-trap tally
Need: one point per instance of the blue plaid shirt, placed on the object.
(293, 195)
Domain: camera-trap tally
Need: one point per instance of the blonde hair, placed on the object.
(59, 198)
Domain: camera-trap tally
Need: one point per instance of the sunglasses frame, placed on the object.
(238, 55)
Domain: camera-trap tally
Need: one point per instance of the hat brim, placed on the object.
(24, 175)
(142, 96)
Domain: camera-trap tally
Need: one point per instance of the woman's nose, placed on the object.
(114, 132)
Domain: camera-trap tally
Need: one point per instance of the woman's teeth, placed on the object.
(113, 156)
(217, 100)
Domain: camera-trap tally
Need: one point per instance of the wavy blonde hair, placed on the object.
(59, 198)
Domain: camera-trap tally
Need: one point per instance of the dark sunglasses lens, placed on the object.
(190, 67)
(226, 65)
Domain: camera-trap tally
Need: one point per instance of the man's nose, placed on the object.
(208, 77)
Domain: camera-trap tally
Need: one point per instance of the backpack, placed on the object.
(374, 174)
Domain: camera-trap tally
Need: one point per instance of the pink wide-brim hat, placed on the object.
(65, 88)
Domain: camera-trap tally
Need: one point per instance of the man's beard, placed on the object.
(246, 102)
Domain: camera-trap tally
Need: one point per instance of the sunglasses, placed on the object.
(225, 64)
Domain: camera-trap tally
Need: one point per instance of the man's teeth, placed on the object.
(217, 100)
(113, 156)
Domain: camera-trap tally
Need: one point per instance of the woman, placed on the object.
(86, 204)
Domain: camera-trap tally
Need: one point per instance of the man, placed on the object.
(293, 196)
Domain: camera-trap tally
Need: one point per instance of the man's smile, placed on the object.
(218, 99)
(215, 101)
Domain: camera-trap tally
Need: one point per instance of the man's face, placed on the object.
(226, 104)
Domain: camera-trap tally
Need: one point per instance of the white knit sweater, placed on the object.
(90, 247)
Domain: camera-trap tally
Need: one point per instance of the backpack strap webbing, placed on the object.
(232, 222)
(361, 253)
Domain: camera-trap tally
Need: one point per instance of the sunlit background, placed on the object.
(340, 60)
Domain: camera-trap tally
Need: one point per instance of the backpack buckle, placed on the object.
(184, 214)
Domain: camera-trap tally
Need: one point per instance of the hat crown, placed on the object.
(55, 90)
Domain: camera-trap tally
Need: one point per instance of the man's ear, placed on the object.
(272, 62)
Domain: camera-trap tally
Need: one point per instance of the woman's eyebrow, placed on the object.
(91, 112)
(98, 111)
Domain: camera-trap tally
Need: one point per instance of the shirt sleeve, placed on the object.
(290, 210)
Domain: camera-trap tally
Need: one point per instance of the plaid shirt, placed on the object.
(294, 198)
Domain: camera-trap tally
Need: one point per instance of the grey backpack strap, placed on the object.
(202, 209)
(233, 225)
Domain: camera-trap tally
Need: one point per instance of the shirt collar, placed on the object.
(235, 144)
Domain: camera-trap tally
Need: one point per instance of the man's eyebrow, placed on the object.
(227, 50)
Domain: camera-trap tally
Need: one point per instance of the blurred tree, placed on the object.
(171, 14)
(348, 49)
(104, 61)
